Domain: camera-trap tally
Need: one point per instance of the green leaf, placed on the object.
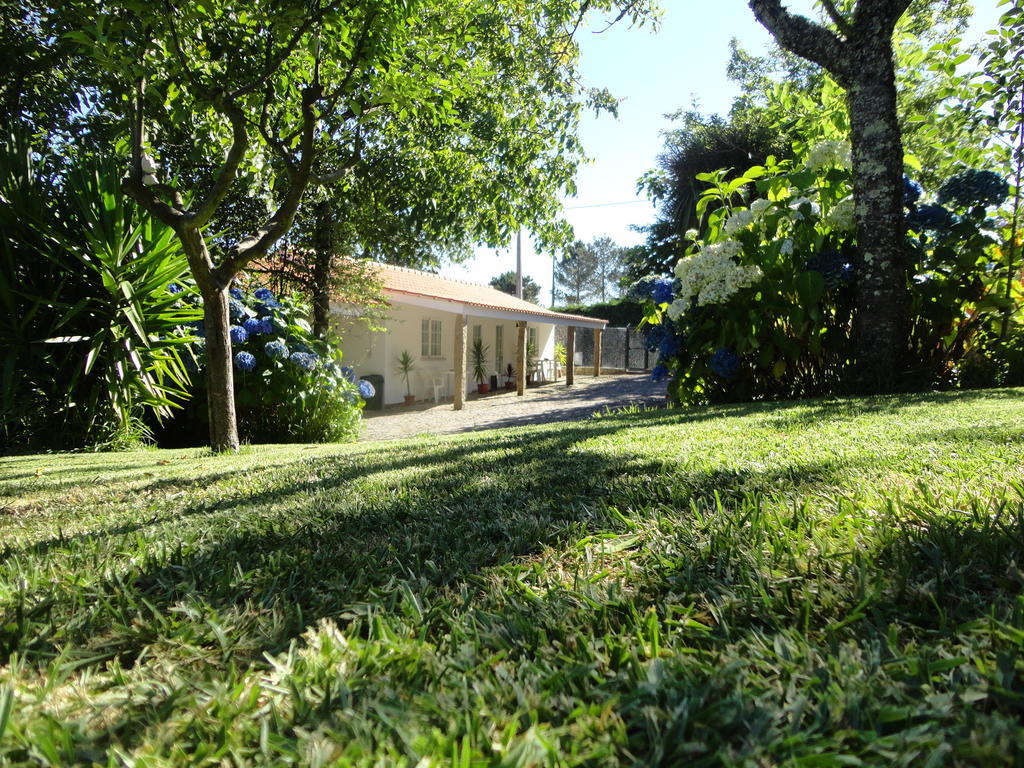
(810, 286)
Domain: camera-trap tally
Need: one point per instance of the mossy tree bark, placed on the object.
(859, 55)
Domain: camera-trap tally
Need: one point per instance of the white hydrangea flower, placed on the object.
(692, 234)
(711, 276)
(759, 206)
(829, 153)
(737, 221)
(843, 217)
(798, 215)
(787, 247)
(677, 308)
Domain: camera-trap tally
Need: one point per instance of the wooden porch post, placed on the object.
(459, 361)
(570, 356)
(598, 332)
(520, 357)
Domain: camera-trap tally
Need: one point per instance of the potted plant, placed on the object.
(404, 364)
(531, 361)
(560, 356)
(478, 356)
(510, 377)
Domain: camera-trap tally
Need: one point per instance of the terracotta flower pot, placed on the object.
(482, 388)
(410, 399)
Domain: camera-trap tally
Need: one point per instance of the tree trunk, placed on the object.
(324, 247)
(220, 384)
(881, 340)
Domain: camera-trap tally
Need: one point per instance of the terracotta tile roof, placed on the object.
(399, 281)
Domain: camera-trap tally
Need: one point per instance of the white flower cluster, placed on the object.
(829, 153)
(842, 217)
(738, 220)
(711, 276)
(795, 205)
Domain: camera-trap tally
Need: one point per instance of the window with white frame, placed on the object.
(499, 346)
(430, 338)
(531, 339)
(477, 334)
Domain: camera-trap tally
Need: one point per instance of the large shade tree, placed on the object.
(251, 90)
(858, 53)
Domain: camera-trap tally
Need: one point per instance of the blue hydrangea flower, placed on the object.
(252, 326)
(659, 372)
(264, 295)
(974, 187)
(305, 360)
(912, 191)
(276, 349)
(174, 288)
(832, 266)
(238, 334)
(725, 363)
(245, 361)
(236, 310)
(236, 293)
(348, 373)
(931, 217)
(300, 347)
(266, 325)
(366, 389)
(662, 338)
(662, 291)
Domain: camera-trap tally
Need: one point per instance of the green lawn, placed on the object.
(827, 583)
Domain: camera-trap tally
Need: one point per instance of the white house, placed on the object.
(437, 320)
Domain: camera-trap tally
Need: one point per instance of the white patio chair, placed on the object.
(439, 383)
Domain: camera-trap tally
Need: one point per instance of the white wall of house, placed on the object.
(375, 352)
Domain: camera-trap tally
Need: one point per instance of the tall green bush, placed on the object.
(763, 301)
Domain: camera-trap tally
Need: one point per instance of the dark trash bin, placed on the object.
(376, 402)
(494, 382)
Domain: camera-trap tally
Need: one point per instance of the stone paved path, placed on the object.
(540, 405)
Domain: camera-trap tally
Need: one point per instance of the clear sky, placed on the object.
(652, 74)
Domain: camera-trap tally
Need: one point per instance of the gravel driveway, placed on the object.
(540, 405)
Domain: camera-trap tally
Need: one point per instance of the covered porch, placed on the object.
(437, 321)
(469, 322)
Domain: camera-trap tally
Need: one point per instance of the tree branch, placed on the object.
(145, 197)
(837, 18)
(176, 42)
(868, 15)
(236, 153)
(275, 143)
(348, 165)
(803, 37)
(278, 224)
(274, 63)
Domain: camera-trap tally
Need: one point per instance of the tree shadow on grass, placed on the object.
(333, 536)
(322, 541)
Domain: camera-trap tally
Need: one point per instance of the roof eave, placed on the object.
(485, 310)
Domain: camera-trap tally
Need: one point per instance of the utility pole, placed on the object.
(554, 261)
(519, 263)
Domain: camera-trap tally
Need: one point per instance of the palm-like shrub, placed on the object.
(90, 331)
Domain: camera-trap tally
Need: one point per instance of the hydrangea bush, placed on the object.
(289, 386)
(763, 301)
